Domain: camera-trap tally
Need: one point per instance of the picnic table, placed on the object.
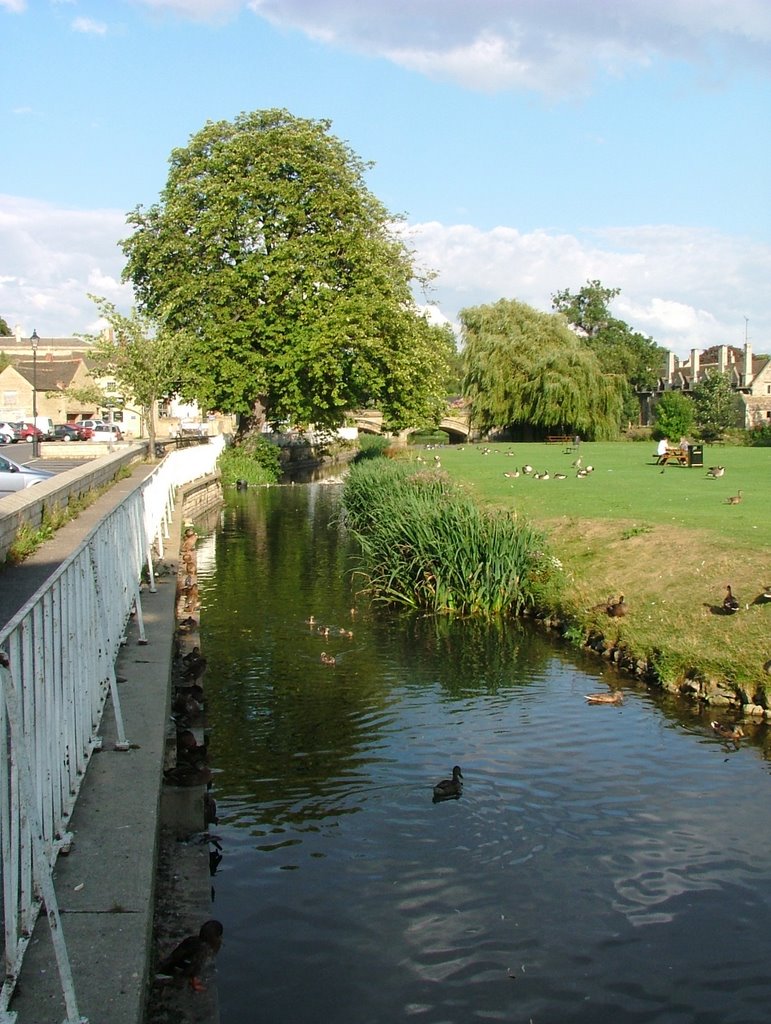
(676, 455)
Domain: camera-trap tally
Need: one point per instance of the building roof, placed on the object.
(48, 374)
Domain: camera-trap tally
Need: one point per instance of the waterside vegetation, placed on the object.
(428, 544)
(665, 538)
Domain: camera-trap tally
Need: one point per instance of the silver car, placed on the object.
(14, 477)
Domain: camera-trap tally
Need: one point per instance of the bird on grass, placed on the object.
(604, 698)
(765, 596)
(734, 499)
(716, 471)
(616, 609)
(449, 789)
(187, 960)
(728, 732)
(730, 603)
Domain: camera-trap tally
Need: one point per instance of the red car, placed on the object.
(29, 432)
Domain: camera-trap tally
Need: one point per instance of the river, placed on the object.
(604, 864)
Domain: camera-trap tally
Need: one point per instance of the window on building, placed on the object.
(11, 399)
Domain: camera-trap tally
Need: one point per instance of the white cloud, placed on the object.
(13, 6)
(52, 258)
(89, 27)
(686, 288)
(553, 46)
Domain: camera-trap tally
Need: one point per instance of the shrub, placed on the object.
(426, 544)
(255, 460)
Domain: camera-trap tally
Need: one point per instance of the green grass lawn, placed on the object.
(625, 485)
(667, 540)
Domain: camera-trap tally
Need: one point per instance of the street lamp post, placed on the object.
(35, 443)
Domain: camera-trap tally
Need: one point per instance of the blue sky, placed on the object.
(530, 144)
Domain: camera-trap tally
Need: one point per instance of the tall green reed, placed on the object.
(426, 544)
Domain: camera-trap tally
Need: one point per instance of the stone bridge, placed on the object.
(455, 423)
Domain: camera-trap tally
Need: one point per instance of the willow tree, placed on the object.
(524, 368)
(268, 253)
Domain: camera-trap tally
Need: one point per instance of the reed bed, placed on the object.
(425, 543)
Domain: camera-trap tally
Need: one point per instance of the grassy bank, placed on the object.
(667, 540)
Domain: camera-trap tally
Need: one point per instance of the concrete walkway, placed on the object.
(106, 886)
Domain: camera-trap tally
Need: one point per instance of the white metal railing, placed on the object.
(57, 667)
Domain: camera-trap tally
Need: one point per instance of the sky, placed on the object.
(529, 145)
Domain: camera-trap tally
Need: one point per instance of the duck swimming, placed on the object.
(186, 961)
(449, 789)
(604, 698)
(728, 732)
(328, 659)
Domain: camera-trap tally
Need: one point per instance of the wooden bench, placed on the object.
(673, 455)
(560, 439)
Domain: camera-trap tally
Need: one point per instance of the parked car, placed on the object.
(69, 432)
(28, 432)
(89, 424)
(14, 477)
(107, 432)
(9, 434)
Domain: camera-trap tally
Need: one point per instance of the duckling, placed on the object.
(618, 608)
(449, 789)
(186, 961)
(728, 732)
(734, 499)
(195, 669)
(192, 655)
(715, 471)
(328, 659)
(192, 773)
(616, 697)
(730, 603)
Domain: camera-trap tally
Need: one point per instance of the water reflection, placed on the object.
(602, 864)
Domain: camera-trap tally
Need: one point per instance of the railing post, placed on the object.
(41, 867)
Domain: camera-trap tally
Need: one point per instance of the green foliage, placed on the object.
(144, 359)
(426, 544)
(268, 252)
(621, 351)
(371, 446)
(4, 361)
(716, 405)
(5, 330)
(254, 459)
(526, 367)
(760, 437)
(674, 415)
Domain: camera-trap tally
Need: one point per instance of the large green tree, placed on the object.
(717, 405)
(283, 272)
(524, 368)
(5, 330)
(146, 361)
(637, 359)
(674, 414)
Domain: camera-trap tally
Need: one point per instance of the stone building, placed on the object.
(750, 376)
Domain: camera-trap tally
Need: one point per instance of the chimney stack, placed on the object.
(722, 359)
(671, 366)
(747, 374)
(694, 366)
